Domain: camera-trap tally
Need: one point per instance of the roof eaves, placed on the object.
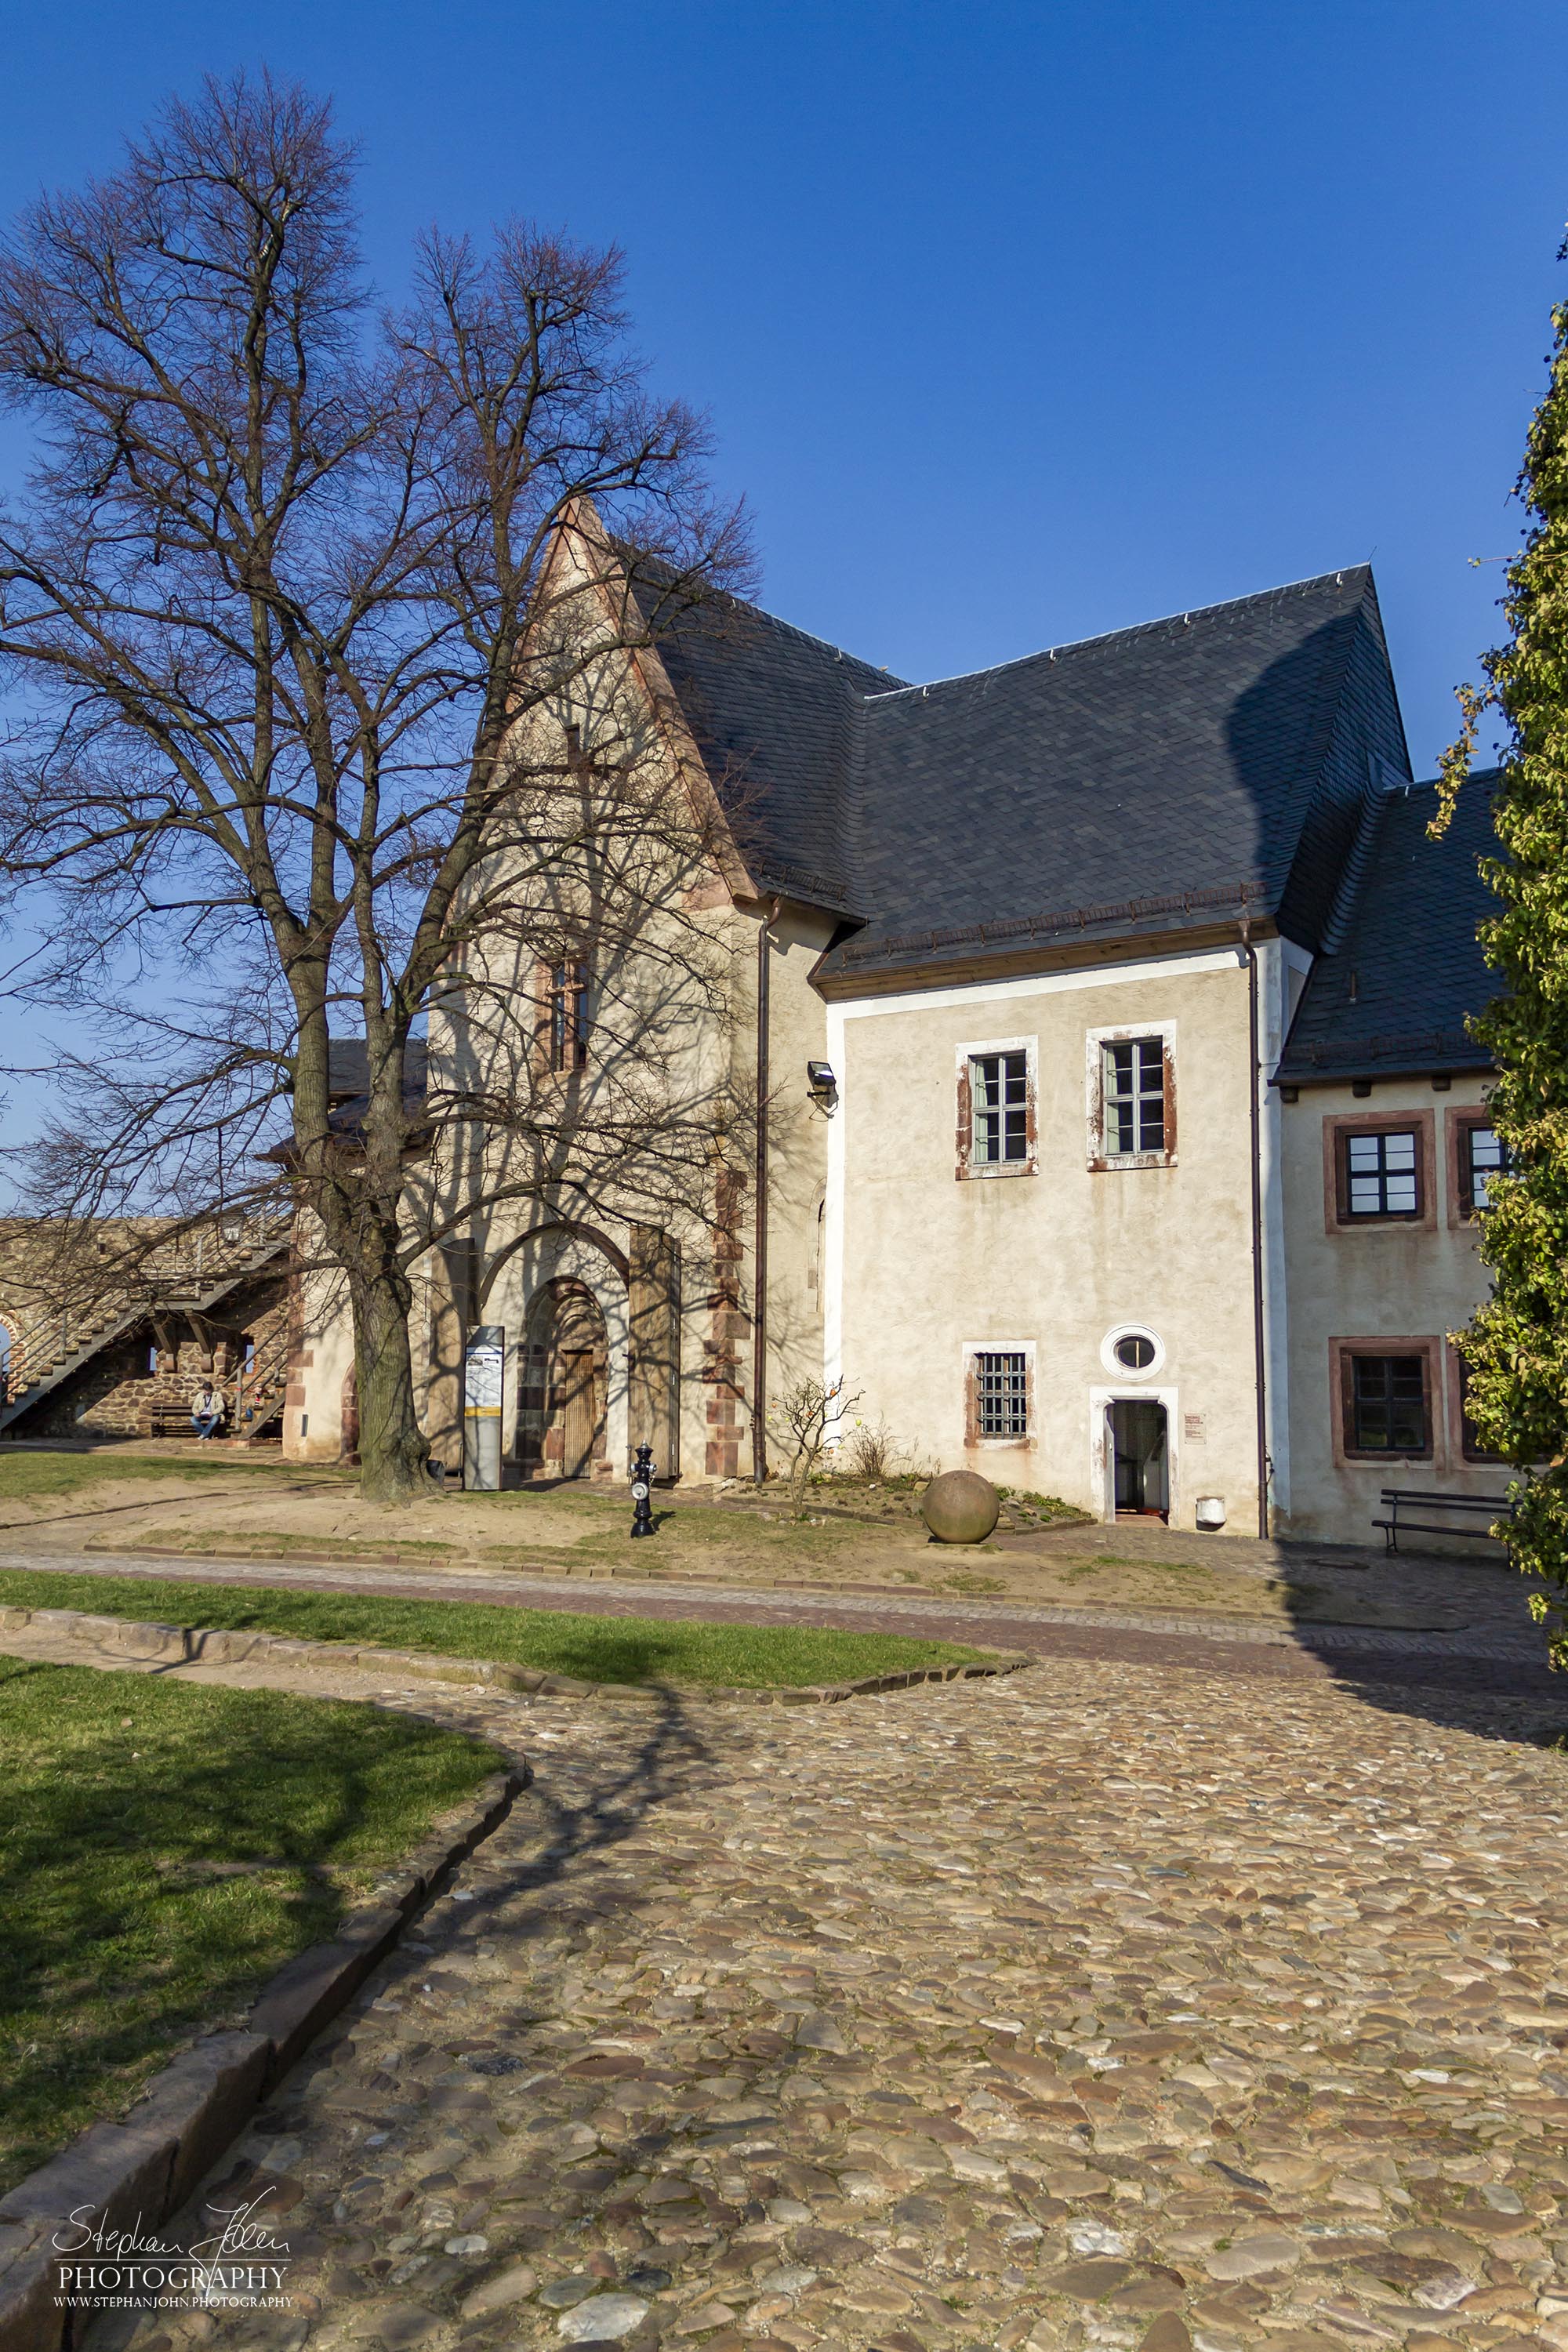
(1332, 1061)
(1247, 898)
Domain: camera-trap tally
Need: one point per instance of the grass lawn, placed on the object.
(596, 1649)
(26, 1475)
(164, 1848)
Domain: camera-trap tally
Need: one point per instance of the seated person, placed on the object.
(207, 1411)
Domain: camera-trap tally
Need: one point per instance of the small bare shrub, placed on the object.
(871, 1451)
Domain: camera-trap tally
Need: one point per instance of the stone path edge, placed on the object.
(1307, 1634)
(191, 1645)
(134, 2174)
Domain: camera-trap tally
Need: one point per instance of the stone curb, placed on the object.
(139, 2172)
(198, 1646)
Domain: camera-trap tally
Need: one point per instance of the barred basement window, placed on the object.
(1002, 1395)
(1134, 1082)
(999, 1095)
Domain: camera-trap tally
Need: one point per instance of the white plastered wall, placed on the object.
(919, 1260)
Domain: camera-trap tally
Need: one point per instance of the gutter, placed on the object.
(1259, 1352)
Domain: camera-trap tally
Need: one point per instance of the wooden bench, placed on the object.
(1400, 1501)
(174, 1421)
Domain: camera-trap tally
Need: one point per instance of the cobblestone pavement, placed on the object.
(1097, 2007)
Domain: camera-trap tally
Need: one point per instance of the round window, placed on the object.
(1135, 1351)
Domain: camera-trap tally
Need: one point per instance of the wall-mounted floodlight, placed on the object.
(823, 1084)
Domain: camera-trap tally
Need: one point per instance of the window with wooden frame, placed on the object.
(1387, 1399)
(1379, 1169)
(1135, 1085)
(996, 1132)
(567, 1022)
(1132, 1096)
(1381, 1173)
(1477, 1156)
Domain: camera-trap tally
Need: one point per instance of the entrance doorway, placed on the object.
(1140, 1453)
(561, 1419)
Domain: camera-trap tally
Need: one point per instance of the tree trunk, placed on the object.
(392, 1451)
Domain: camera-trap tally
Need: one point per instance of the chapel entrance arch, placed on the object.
(564, 1384)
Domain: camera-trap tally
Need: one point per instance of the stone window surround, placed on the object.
(577, 1017)
(1132, 1330)
(1432, 1349)
(1337, 1125)
(1101, 1162)
(966, 1167)
(969, 1352)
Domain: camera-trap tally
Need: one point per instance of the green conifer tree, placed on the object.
(1516, 1349)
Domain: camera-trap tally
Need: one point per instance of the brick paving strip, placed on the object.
(1090, 2007)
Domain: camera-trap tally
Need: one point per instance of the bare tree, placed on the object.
(808, 1414)
(293, 613)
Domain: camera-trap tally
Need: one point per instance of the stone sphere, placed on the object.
(960, 1508)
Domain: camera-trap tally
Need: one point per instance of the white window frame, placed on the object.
(1132, 1330)
(1095, 1043)
(964, 1056)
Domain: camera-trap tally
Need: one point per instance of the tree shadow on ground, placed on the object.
(1471, 1660)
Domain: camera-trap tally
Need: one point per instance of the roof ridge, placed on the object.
(1135, 629)
(792, 628)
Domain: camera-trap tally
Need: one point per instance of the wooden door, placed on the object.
(579, 1419)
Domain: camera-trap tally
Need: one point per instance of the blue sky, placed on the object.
(1016, 323)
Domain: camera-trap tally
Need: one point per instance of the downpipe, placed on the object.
(760, 1210)
(1259, 1335)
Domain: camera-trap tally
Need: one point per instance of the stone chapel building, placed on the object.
(1123, 1137)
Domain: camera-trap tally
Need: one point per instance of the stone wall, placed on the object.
(152, 1373)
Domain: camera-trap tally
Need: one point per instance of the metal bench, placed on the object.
(1399, 1501)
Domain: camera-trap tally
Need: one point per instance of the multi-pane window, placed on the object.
(1484, 1157)
(1134, 1097)
(568, 1014)
(999, 1108)
(1389, 1407)
(1382, 1177)
(1002, 1395)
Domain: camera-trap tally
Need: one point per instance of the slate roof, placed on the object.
(773, 712)
(1155, 779)
(1394, 994)
(348, 1068)
(1214, 760)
